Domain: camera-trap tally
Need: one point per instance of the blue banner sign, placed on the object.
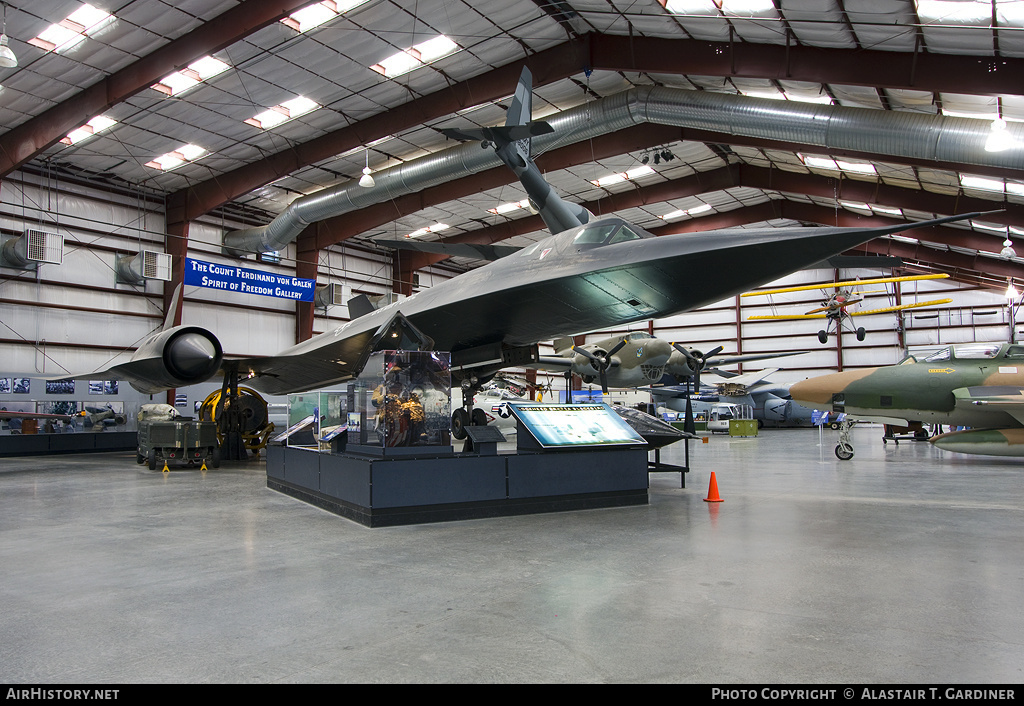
(199, 273)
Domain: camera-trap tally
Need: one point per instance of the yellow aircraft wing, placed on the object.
(901, 307)
(780, 317)
(791, 316)
(851, 283)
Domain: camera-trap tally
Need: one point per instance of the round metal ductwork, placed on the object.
(888, 133)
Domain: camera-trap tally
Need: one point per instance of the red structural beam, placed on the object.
(966, 74)
(29, 139)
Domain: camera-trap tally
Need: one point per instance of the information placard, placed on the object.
(571, 425)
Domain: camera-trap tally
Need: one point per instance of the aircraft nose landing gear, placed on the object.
(844, 449)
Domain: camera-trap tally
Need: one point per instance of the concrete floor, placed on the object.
(904, 565)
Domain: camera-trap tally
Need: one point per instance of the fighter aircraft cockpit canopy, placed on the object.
(968, 351)
(609, 232)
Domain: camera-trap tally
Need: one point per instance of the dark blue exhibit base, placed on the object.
(78, 443)
(401, 491)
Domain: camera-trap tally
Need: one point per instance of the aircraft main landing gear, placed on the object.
(467, 415)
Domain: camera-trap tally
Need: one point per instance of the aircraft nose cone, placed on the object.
(658, 351)
(816, 391)
(192, 354)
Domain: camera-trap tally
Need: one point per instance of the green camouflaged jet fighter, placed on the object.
(976, 385)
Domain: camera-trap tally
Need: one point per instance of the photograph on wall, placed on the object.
(103, 387)
(60, 387)
(21, 386)
(5, 386)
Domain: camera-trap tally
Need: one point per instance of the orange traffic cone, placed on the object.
(713, 491)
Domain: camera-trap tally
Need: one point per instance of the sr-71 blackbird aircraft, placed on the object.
(978, 385)
(590, 274)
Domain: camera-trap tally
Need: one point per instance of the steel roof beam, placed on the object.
(966, 74)
(35, 135)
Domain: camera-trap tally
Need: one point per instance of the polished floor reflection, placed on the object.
(903, 565)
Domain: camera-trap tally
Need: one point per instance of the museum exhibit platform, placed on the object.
(81, 442)
(380, 491)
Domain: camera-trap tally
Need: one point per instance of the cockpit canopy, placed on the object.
(975, 351)
(608, 232)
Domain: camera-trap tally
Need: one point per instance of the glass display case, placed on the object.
(401, 399)
(314, 418)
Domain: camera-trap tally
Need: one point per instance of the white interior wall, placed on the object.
(99, 227)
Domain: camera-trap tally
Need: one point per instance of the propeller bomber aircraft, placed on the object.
(590, 274)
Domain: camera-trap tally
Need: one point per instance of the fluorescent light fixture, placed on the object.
(765, 93)
(289, 110)
(991, 229)
(97, 124)
(72, 30)
(953, 11)
(972, 182)
(838, 165)
(747, 7)
(437, 227)
(886, 210)
(315, 15)
(972, 114)
(198, 71)
(1010, 12)
(634, 173)
(690, 7)
(180, 156)
(695, 211)
(856, 167)
(854, 205)
(509, 207)
(415, 56)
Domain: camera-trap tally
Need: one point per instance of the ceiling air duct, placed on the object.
(31, 248)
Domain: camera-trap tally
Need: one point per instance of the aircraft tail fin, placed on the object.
(518, 128)
(172, 310)
(512, 144)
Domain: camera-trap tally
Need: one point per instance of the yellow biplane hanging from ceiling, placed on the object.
(834, 307)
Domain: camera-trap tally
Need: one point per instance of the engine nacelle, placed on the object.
(679, 366)
(177, 357)
(585, 367)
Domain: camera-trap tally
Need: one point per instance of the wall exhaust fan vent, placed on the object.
(331, 295)
(136, 269)
(33, 247)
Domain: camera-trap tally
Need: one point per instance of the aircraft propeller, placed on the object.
(696, 360)
(601, 361)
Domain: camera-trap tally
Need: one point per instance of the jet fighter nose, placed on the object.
(812, 392)
(819, 390)
(192, 355)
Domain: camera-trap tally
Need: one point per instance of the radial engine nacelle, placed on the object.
(588, 367)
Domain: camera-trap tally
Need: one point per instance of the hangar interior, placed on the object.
(210, 129)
